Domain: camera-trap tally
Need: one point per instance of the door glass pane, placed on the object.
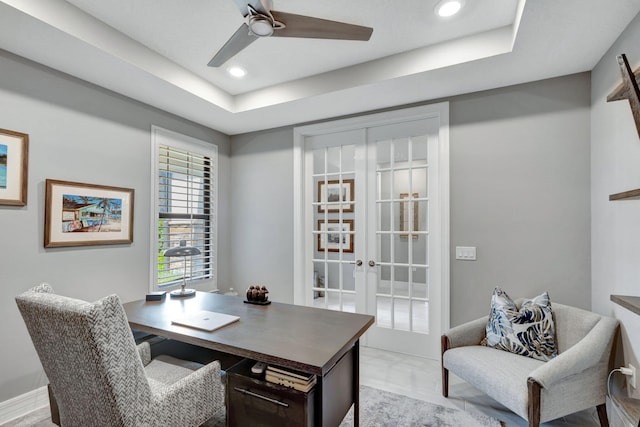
(318, 282)
(349, 302)
(384, 216)
(419, 250)
(320, 241)
(348, 282)
(333, 279)
(396, 212)
(383, 312)
(419, 283)
(333, 159)
(423, 215)
(401, 281)
(419, 150)
(401, 249)
(420, 316)
(408, 210)
(400, 183)
(384, 248)
(346, 193)
(348, 159)
(384, 185)
(419, 182)
(401, 150)
(384, 280)
(383, 154)
(401, 314)
(318, 161)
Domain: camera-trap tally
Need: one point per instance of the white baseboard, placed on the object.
(23, 404)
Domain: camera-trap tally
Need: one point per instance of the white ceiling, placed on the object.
(156, 51)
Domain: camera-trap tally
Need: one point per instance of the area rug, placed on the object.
(379, 408)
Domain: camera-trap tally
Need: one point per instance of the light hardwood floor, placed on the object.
(409, 376)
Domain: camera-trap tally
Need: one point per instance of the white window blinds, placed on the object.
(185, 212)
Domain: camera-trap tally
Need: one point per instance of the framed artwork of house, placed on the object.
(78, 214)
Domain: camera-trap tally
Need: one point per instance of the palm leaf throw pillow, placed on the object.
(528, 330)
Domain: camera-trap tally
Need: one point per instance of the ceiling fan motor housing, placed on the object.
(260, 26)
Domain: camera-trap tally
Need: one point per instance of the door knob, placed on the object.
(357, 262)
(372, 263)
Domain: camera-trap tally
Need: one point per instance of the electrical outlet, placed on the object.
(632, 378)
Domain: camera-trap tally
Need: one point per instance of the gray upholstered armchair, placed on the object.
(100, 378)
(537, 391)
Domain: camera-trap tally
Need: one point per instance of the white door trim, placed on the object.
(300, 251)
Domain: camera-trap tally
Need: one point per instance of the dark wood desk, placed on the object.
(308, 339)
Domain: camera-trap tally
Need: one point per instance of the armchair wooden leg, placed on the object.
(534, 402)
(445, 372)
(602, 415)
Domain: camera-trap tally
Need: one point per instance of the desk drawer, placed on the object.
(252, 401)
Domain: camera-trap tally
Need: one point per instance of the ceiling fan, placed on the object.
(261, 21)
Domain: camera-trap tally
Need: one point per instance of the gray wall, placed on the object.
(519, 192)
(78, 132)
(262, 206)
(615, 229)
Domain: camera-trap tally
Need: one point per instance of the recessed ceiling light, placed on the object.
(448, 8)
(237, 72)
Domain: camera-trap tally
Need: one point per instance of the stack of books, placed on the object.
(290, 378)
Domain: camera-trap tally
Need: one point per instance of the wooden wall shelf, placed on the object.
(631, 194)
(628, 302)
(628, 89)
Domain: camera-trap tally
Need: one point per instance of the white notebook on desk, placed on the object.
(205, 320)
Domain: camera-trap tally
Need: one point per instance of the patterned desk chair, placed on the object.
(100, 378)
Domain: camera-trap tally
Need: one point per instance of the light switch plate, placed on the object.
(466, 253)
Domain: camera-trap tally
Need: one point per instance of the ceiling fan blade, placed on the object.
(316, 28)
(238, 41)
(256, 4)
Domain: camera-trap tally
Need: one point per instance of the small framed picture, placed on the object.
(335, 235)
(14, 162)
(406, 214)
(335, 196)
(78, 214)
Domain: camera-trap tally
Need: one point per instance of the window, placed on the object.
(185, 194)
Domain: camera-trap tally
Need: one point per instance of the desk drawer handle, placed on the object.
(259, 396)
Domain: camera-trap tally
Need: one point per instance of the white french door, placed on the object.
(404, 289)
(335, 189)
(371, 223)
